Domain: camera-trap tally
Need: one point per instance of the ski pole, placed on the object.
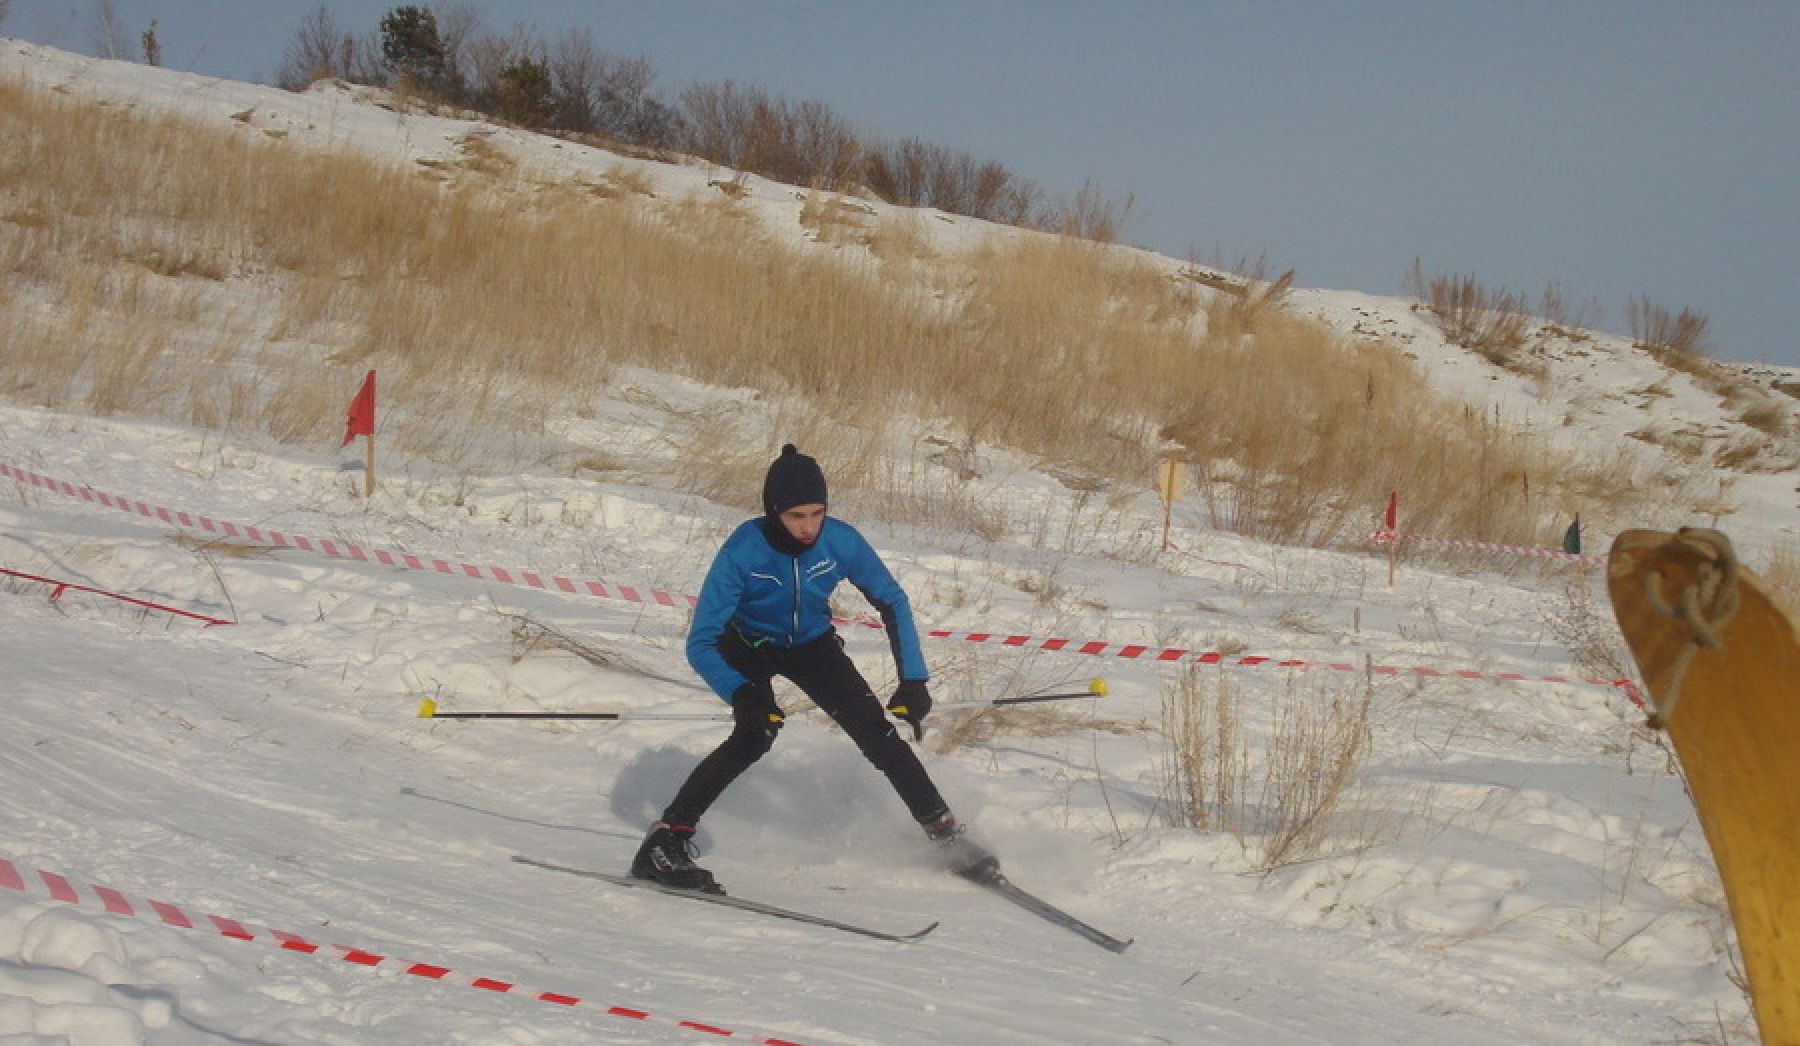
(428, 709)
(1095, 688)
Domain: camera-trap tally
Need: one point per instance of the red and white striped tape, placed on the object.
(1134, 652)
(55, 887)
(639, 594)
(349, 550)
(1385, 537)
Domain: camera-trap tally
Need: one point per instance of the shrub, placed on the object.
(1289, 792)
(152, 47)
(748, 129)
(915, 173)
(1680, 335)
(1583, 623)
(1493, 324)
(600, 93)
(1091, 216)
(1555, 310)
(525, 93)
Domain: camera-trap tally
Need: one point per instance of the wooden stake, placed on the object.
(1168, 485)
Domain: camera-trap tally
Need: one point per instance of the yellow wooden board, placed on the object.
(1722, 664)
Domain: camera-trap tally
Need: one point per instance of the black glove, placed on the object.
(753, 708)
(912, 703)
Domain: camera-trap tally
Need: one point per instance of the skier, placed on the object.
(764, 611)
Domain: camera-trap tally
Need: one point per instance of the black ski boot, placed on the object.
(963, 855)
(667, 857)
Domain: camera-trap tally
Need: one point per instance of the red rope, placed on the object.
(64, 586)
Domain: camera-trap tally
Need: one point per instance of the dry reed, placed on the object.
(216, 275)
(1289, 792)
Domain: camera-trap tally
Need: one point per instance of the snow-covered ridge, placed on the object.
(1582, 389)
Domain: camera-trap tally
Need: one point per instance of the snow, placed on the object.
(1520, 862)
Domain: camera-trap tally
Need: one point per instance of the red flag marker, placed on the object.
(360, 417)
(360, 421)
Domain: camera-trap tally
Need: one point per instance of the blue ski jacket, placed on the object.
(770, 596)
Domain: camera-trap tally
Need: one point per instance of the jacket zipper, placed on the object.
(794, 632)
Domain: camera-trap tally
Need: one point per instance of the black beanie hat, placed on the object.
(794, 479)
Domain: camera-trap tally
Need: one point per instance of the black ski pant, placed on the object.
(824, 673)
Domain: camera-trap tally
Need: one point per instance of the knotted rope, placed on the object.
(1703, 606)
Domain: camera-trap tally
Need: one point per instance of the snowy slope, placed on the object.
(1518, 864)
(1547, 881)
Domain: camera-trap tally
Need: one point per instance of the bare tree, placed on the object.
(803, 143)
(362, 60)
(718, 118)
(916, 173)
(105, 31)
(493, 62)
(152, 46)
(823, 146)
(5, 6)
(318, 51)
(628, 109)
(575, 67)
(895, 171)
(1091, 216)
(949, 180)
(459, 26)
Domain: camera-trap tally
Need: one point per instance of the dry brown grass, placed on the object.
(1315, 759)
(621, 181)
(1770, 417)
(217, 276)
(1286, 793)
(1308, 459)
(1494, 324)
(228, 548)
(1582, 621)
(1247, 284)
(899, 240)
(1208, 770)
(1670, 336)
(836, 218)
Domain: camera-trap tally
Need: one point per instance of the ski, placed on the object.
(727, 901)
(998, 883)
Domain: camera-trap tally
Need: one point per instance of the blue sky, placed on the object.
(1616, 149)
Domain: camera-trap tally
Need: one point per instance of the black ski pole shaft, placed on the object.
(1096, 688)
(428, 710)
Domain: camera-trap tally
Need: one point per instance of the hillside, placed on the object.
(1510, 861)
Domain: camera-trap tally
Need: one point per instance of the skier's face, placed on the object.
(803, 522)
